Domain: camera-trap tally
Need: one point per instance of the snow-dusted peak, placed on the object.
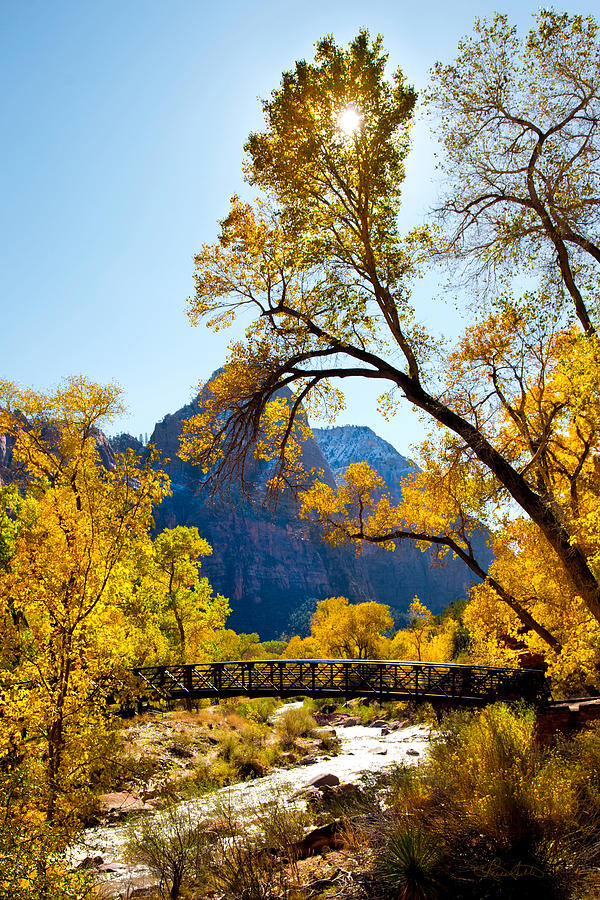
(346, 444)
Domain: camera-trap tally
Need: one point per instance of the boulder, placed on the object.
(313, 796)
(328, 732)
(120, 803)
(308, 761)
(90, 862)
(328, 837)
(327, 779)
(392, 726)
(114, 868)
(181, 752)
(347, 789)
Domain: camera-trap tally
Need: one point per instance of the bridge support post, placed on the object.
(187, 680)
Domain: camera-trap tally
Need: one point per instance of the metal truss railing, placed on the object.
(382, 679)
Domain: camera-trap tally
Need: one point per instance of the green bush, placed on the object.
(243, 754)
(258, 710)
(314, 704)
(366, 712)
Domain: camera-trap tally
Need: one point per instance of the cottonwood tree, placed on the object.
(424, 638)
(350, 630)
(319, 266)
(182, 605)
(67, 562)
(519, 126)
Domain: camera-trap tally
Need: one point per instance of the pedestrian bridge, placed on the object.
(378, 679)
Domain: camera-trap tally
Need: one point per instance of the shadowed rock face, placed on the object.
(265, 561)
(9, 471)
(270, 563)
(6, 459)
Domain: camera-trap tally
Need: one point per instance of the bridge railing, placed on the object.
(382, 679)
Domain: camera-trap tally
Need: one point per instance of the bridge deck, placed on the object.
(381, 679)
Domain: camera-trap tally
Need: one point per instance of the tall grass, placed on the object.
(255, 859)
(492, 815)
(243, 754)
(294, 723)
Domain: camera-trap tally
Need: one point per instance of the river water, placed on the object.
(364, 751)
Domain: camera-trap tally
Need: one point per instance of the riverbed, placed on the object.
(364, 751)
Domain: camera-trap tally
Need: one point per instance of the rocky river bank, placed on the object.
(364, 750)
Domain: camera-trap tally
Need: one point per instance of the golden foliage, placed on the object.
(342, 629)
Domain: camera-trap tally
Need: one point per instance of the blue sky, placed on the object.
(123, 125)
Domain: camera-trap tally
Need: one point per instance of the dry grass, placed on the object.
(183, 754)
(490, 816)
(294, 723)
(241, 858)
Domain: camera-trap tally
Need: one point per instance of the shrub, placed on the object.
(200, 780)
(492, 814)
(244, 754)
(366, 712)
(314, 704)
(174, 848)
(484, 764)
(293, 723)
(402, 788)
(256, 859)
(258, 710)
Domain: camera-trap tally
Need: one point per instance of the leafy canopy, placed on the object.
(320, 266)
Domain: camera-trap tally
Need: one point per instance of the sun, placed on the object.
(350, 120)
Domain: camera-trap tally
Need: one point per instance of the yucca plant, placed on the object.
(409, 865)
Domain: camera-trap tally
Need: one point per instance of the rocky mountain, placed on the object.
(263, 560)
(10, 472)
(396, 577)
(271, 565)
(346, 444)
